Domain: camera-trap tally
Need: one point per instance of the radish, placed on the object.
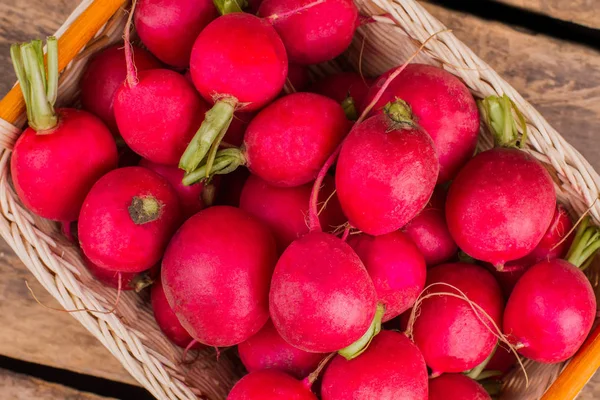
(233, 79)
(456, 387)
(285, 210)
(391, 368)
(446, 327)
(267, 350)
(168, 28)
(386, 171)
(442, 105)
(286, 143)
(396, 267)
(502, 361)
(63, 152)
(103, 76)
(167, 320)
(190, 197)
(552, 307)
(237, 128)
(312, 31)
(347, 88)
(429, 231)
(298, 78)
(121, 280)
(270, 385)
(508, 190)
(322, 299)
(127, 219)
(216, 273)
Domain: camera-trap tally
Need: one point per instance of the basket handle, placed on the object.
(578, 372)
(81, 31)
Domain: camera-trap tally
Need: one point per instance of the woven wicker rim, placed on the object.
(131, 334)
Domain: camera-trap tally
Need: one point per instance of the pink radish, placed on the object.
(502, 361)
(267, 350)
(127, 219)
(286, 143)
(190, 197)
(216, 273)
(442, 105)
(270, 385)
(285, 210)
(322, 299)
(504, 189)
(63, 152)
(168, 28)
(386, 171)
(347, 88)
(552, 307)
(391, 368)
(396, 267)
(166, 318)
(122, 280)
(103, 76)
(451, 335)
(312, 31)
(232, 79)
(456, 387)
(429, 231)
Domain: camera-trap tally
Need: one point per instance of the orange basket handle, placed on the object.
(81, 31)
(579, 371)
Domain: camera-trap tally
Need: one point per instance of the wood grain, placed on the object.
(582, 12)
(561, 79)
(22, 387)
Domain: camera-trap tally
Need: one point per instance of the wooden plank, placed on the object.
(22, 387)
(561, 79)
(582, 12)
(33, 333)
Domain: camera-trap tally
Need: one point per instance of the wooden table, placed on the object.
(561, 78)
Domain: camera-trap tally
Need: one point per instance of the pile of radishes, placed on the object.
(364, 205)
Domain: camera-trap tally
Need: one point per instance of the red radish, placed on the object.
(312, 31)
(504, 189)
(391, 368)
(231, 186)
(285, 210)
(104, 75)
(442, 105)
(190, 197)
(270, 385)
(386, 171)
(456, 387)
(347, 88)
(127, 219)
(322, 299)
(237, 129)
(429, 231)
(128, 280)
(502, 361)
(168, 28)
(158, 114)
(297, 79)
(452, 337)
(509, 275)
(63, 152)
(267, 350)
(166, 318)
(552, 307)
(286, 143)
(233, 79)
(216, 273)
(553, 243)
(396, 267)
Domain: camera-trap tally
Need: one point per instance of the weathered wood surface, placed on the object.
(582, 12)
(561, 79)
(22, 387)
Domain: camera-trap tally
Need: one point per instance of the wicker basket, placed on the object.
(131, 334)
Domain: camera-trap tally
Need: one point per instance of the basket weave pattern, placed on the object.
(131, 334)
